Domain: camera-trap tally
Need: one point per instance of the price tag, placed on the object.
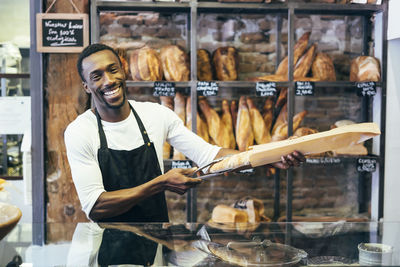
(366, 165)
(304, 88)
(181, 164)
(207, 88)
(266, 89)
(164, 89)
(366, 88)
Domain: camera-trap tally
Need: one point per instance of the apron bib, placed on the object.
(125, 169)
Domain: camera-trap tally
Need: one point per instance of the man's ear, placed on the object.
(86, 87)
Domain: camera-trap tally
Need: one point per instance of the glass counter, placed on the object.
(209, 244)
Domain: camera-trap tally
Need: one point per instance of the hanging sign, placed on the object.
(366, 88)
(304, 88)
(182, 164)
(164, 89)
(366, 165)
(61, 32)
(207, 88)
(266, 88)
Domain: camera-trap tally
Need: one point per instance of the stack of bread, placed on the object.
(310, 65)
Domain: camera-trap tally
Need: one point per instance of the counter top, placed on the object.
(189, 244)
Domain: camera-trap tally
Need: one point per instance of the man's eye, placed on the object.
(114, 70)
(95, 77)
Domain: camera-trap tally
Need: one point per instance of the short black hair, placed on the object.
(91, 49)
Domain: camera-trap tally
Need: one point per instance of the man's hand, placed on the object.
(292, 159)
(177, 180)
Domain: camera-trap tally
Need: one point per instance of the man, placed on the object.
(115, 148)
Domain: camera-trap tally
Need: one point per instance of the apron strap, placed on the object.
(103, 140)
(143, 131)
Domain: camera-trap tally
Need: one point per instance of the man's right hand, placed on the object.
(178, 180)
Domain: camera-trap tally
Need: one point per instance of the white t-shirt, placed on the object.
(162, 124)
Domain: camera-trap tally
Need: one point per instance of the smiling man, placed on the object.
(115, 148)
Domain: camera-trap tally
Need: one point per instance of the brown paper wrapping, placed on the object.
(310, 144)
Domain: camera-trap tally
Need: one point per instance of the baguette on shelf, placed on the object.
(204, 67)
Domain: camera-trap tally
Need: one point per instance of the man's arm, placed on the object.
(110, 204)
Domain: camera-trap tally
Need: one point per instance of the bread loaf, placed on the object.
(225, 61)
(175, 63)
(322, 68)
(123, 57)
(302, 131)
(364, 69)
(233, 162)
(226, 119)
(282, 98)
(213, 121)
(145, 65)
(303, 66)
(281, 131)
(261, 134)
(202, 129)
(268, 113)
(179, 109)
(225, 214)
(244, 131)
(204, 68)
(234, 112)
(169, 103)
(299, 49)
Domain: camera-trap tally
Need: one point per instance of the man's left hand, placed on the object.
(292, 159)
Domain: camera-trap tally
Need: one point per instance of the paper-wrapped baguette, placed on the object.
(310, 144)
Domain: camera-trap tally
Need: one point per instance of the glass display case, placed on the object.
(192, 244)
(257, 38)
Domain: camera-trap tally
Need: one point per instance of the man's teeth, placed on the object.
(111, 92)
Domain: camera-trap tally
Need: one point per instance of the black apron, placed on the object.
(125, 169)
(122, 247)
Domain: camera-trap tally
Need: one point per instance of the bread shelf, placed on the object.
(361, 109)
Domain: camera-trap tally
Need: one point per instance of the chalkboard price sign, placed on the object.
(304, 88)
(181, 164)
(366, 88)
(164, 89)
(62, 33)
(366, 165)
(266, 88)
(207, 88)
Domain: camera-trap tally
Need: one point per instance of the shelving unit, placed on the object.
(289, 11)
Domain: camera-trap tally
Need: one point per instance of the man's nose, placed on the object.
(108, 78)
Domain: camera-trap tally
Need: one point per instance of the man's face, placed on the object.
(105, 79)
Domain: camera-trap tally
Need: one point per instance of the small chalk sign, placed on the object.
(207, 88)
(62, 32)
(366, 165)
(181, 164)
(265, 88)
(164, 89)
(323, 160)
(304, 88)
(366, 88)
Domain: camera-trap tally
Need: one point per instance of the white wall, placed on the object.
(392, 157)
